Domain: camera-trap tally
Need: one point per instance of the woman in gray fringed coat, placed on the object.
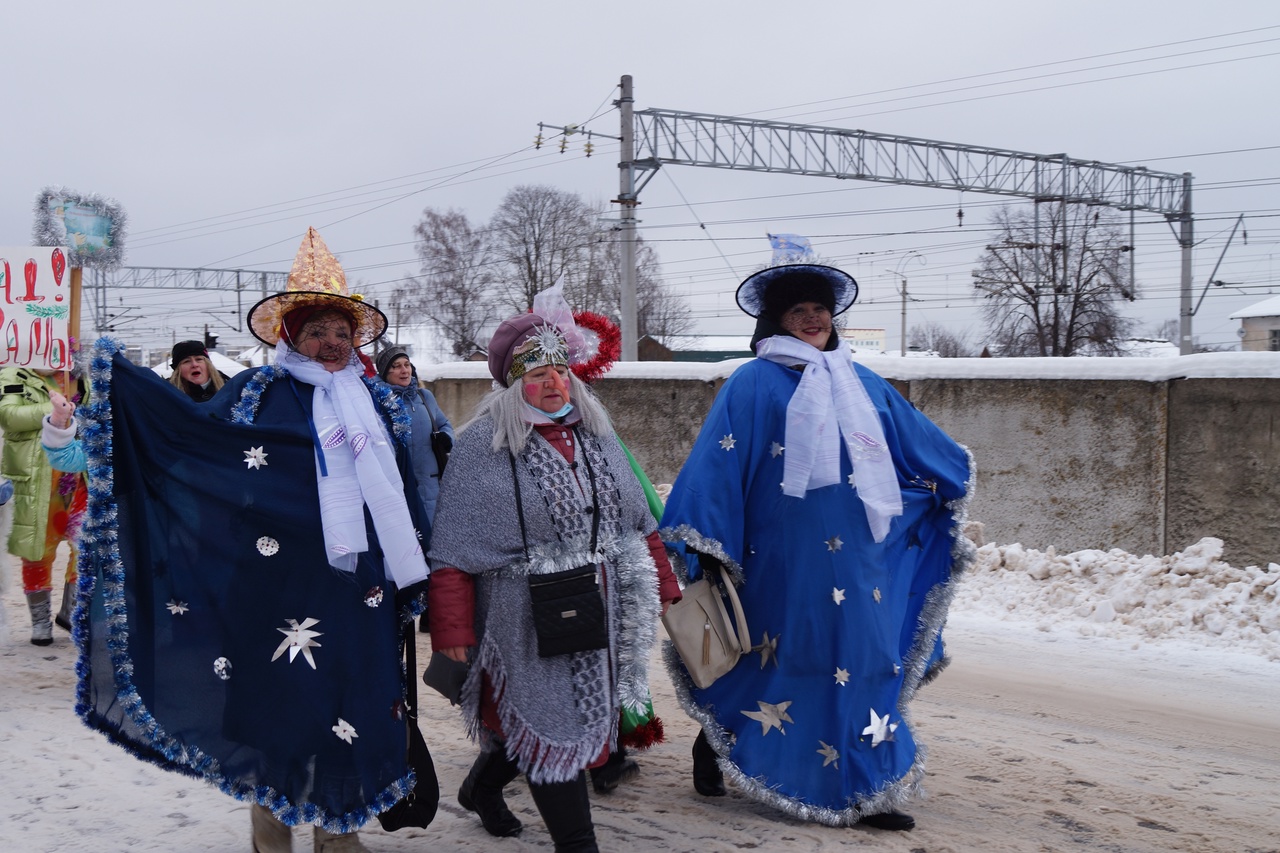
(548, 717)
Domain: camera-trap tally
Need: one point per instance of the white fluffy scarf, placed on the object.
(359, 470)
(829, 404)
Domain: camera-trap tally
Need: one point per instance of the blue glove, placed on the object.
(6, 490)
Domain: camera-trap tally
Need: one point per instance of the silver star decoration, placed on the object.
(834, 544)
(829, 755)
(176, 607)
(767, 649)
(896, 669)
(851, 483)
(776, 450)
(837, 595)
(842, 676)
(728, 442)
(770, 716)
(875, 593)
(299, 638)
(344, 730)
(222, 669)
(880, 729)
(255, 457)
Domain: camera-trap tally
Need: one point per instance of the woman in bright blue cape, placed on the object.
(837, 508)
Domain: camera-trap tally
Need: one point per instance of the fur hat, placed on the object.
(522, 343)
(772, 291)
(316, 281)
(186, 349)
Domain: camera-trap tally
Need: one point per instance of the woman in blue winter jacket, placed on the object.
(432, 432)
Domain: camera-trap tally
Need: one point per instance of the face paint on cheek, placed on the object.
(531, 390)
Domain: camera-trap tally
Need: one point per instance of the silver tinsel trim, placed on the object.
(703, 545)
(50, 230)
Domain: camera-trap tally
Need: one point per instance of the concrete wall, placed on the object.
(1146, 466)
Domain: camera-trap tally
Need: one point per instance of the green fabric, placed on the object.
(632, 720)
(24, 401)
(650, 493)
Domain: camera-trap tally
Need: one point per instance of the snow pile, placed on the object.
(1191, 595)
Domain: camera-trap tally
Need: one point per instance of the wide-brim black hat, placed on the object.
(772, 291)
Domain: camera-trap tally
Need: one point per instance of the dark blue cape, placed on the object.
(193, 563)
(855, 623)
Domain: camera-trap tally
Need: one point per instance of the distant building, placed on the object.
(1260, 326)
(865, 340)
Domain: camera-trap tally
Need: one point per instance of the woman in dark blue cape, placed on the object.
(247, 556)
(836, 506)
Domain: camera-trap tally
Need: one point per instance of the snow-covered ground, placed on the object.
(1097, 701)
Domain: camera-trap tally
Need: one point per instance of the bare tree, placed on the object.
(455, 291)
(659, 311)
(1053, 287)
(540, 235)
(935, 337)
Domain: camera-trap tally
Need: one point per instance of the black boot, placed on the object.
(707, 778)
(566, 810)
(482, 792)
(617, 769)
(63, 619)
(896, 821)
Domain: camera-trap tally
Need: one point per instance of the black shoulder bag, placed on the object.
(419, 806)
(568, 609)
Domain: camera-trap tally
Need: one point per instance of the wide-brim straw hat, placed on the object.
(794, 283)
(316, 280)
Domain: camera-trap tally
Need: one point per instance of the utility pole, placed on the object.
(1185, 240)
(627, 222)
(904, 316)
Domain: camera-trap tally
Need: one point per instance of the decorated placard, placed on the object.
(35, 307)
(91, 227)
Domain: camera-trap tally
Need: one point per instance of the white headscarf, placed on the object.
(831, 404)
(359, 470)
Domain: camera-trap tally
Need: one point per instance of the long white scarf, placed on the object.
(359, 470)
(829, 404)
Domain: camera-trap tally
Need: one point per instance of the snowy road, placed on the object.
(1038, 742)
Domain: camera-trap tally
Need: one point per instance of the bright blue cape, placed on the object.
(844, 627)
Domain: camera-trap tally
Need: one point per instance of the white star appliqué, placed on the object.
(880, 729)
(344, 730)
(728, 442)
(851, 483)
(299, 638)
(768, 649)
(770, 716)
(255, 457)
(176, 607)
(776, 450)
(837, 595)
(842, 676)
(834, 544)
(875, 593)
(829, 755)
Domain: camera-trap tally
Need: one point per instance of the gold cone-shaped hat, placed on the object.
(316, 279)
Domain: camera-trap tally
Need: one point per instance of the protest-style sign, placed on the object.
(35, 307)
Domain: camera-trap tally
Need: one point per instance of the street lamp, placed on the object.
(897, 271)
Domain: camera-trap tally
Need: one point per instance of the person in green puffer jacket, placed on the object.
(47, 508)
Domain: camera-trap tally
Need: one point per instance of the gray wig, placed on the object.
(506, 407)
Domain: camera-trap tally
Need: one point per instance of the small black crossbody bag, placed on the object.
(568, 609)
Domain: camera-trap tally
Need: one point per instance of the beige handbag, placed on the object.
(700, 629)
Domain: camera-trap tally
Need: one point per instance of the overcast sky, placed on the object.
(226, 129)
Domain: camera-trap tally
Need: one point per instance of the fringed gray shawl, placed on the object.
(557, 713)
